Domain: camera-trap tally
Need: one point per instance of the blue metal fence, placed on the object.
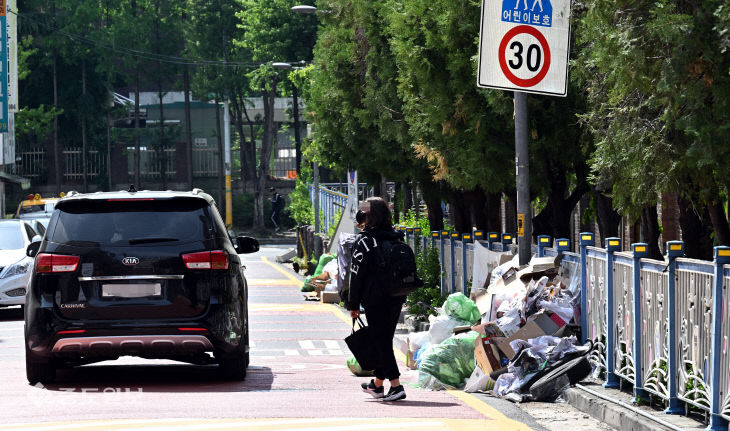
(656, 325)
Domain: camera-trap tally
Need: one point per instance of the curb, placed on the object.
(622, 418)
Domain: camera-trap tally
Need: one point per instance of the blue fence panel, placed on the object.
(655, 327)
(694, 315)
(623, 305)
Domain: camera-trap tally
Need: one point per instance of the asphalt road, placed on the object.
(297, 380)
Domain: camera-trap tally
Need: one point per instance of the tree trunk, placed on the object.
(494, 219)
(432, 197)
(188, 133)
(220, 153)
(137, 155)
(266, 148)
(83, 127)
(650, 231)
(460, 211)
(696, 233)
(56, 149)
(608, 218)
(397, 203)
(719, 223)
(109, 148)
(407, 196)
(161, 149)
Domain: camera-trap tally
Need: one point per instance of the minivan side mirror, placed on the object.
(32, 249)
(246, 244)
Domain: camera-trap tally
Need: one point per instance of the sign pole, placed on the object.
(522, 166)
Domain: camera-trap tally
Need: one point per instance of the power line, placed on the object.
(138, 53)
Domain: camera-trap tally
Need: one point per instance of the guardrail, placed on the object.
(658, 325)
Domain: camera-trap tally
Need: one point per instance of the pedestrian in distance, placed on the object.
(366, 289)
(277, 205)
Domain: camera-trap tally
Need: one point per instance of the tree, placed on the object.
(271, 33)
(652, 138)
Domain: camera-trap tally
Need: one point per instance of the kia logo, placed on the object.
(130, 261)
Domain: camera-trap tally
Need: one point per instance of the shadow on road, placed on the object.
(11, 314)
(412, 403)
(158, 378)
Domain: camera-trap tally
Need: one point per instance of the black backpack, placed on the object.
(397, 268)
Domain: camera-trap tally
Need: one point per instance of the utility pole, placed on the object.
(227, 141)
(317, 244)
(522, 165)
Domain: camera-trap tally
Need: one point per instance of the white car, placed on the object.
(15, 265)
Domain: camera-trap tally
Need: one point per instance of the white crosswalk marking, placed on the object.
(321, 347)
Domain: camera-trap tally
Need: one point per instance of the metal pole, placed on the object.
(522, 163)
(297, 134)
(227, 142)
(317, 246)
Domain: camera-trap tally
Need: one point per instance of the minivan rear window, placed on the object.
(132, 223)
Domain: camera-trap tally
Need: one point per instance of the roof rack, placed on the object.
(72, 193)
(196, 191)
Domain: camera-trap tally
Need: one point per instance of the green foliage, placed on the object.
(410, 219)
(300, 206)
(423, 301)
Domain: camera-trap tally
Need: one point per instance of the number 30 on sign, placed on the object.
(524, 46)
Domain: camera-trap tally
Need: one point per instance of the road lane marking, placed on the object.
(281, 270)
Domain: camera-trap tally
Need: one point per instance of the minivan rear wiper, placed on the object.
(134, 241)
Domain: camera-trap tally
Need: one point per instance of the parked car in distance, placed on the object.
(36, 206)
(147, 274)
(15, 265)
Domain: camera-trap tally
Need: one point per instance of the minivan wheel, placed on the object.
(38, 370)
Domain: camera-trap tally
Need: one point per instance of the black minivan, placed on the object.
(151, 274)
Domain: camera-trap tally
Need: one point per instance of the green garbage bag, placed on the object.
(323, 260)
(449, 364)
(459, 306)
(356, 369)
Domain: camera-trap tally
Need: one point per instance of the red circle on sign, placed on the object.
(503, 60)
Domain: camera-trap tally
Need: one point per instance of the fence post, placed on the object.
(586, 240)
(542, 242)
(443, 237)
(409, 234)
(434, 236)
(506, 241)
(675, 249)
(612, 381)
(562, 245)
(639, 250)
(722, 257)
(454, 237)
(417, 239)
(465, 239)
(478, 235)
(492, 237)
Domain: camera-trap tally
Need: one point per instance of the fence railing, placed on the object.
(331, 205)
(658, 325)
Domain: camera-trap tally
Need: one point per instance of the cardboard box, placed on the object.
(486, 354)
(537, 325)
(329, 297)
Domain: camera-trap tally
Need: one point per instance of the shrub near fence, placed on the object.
(655, 325)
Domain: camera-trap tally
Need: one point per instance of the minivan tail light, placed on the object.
(206, 260)
(46, 262)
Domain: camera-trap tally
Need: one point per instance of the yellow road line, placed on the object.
(270, 282)
(295, 280)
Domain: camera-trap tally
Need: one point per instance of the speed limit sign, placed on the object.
(524, 46)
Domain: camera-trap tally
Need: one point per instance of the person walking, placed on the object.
(367, 289)
(277, 204)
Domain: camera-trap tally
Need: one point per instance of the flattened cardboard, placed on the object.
(486, 354)
(537, 325)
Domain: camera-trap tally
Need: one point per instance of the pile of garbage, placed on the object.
(514, 335)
